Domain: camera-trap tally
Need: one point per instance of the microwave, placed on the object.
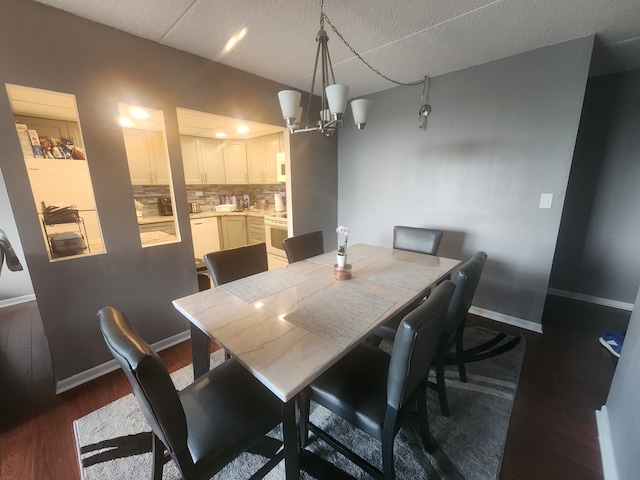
(281, 168)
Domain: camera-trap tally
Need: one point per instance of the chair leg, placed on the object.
(388, 468)
(462, 370)
(158, 457)
(427, 440)
(442, 392)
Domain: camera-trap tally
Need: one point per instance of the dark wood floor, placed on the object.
(552, 435)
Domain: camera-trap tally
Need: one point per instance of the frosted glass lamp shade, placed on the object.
(360, 109)
(289, 103)
(337, 98)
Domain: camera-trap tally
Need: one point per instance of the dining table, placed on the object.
(289, 325)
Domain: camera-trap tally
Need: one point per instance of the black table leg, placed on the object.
(200, 345)
(291, 439)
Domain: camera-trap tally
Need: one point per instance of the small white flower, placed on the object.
(342, 250)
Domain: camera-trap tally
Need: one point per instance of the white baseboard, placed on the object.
(509, 320)
(606, 447)
(99, 370)
(591, 299)
(16, 300)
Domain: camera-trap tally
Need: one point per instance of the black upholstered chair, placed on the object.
(421, 240)
(303, 246)
(466, 280)
(228, 265)
(413, 239)
(373, 391)
(225, 266)
(206, 425)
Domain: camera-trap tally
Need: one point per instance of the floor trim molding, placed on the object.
(16, 300)
(591, 299)
(110, 366)
(508, 319)
(606, 447)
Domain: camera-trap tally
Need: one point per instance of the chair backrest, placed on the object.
(228, 265)
(466, 280)
(415, 345)
(151, 384)
(421, 240)
(303, 246)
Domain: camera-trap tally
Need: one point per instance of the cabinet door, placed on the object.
(272, 146)
(212, 161)
(235, 161)
(135, 142)
(255, 160)
(158, 158)
(191, 160)
(234, 231)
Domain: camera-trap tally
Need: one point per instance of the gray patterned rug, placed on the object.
(114, 442)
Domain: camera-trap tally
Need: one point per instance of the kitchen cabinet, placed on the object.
(206, 236)
(255, 230)
(147, 157)
(261, 158)
(233, 230)
(203, 160)
(235, 161)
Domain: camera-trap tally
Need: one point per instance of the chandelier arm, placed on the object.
(377, 72)
(313, 81)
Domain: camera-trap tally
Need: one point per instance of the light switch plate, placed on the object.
(545, 200)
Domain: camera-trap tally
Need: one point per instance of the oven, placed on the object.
(276, 228)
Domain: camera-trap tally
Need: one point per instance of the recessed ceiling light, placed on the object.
(234, 40)
(126, 122)
(242, 129)
(221, 135)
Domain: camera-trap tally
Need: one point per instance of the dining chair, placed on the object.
(226, 266)
(300, 247)
(202, 427)
(466, 281)
(414, 239)
(374, 391)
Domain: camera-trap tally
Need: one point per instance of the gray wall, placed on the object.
(500, 134)
(622, 403)
(597, 254)
(102, 67)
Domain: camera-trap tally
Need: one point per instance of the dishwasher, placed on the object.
(206, 236)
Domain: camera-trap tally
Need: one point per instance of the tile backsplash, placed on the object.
(148, 194)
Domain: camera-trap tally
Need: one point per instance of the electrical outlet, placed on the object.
(198, 193)
(545, 200)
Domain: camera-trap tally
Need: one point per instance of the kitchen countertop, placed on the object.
(146, 219)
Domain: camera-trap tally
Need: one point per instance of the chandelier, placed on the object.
(334, 95)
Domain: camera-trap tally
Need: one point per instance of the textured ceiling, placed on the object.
(403, 39)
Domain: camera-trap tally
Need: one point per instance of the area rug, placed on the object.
(114, 442)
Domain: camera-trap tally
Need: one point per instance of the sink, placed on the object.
(225, 208)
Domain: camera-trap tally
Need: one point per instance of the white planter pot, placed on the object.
(342, 260)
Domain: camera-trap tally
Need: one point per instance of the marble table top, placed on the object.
(289, 325)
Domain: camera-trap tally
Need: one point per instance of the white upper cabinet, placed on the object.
(261, 158)
(203, 160)
(235, 161)
(147, 157)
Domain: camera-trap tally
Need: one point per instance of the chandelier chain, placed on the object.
(323, 17)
